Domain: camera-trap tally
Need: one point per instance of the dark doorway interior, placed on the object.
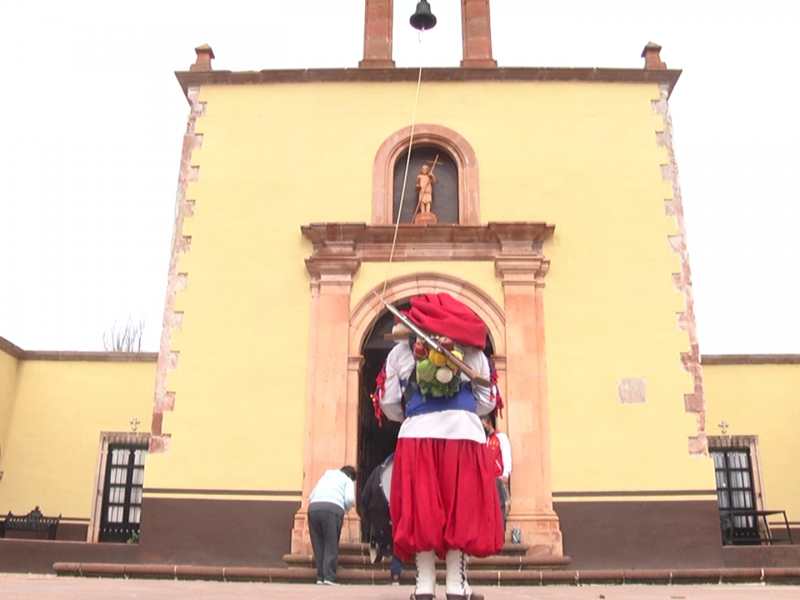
(376, 441)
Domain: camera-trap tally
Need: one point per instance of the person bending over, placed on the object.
(333, 496)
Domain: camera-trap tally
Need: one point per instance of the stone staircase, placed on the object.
(511, 566)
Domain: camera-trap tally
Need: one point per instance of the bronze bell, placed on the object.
(423, 18)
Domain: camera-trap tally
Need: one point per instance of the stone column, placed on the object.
(378, 34)
(532, 511)
(500, 367)
(351, 529)
(326, 434)
(476, 34)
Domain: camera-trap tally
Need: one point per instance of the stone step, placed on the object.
(759, 576)
(363, 549)
(495, 563)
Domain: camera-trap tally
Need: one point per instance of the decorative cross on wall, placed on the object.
(134, 423)
(723, 427)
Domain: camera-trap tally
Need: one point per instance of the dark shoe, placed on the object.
(472, 596)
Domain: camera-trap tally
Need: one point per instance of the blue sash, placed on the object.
(463, 400)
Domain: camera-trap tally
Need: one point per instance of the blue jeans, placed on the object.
(501, 495)
(397, 566)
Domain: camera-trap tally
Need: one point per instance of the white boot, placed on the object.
(426, 573)
(457, 584)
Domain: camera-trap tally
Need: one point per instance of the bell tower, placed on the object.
(476, 34)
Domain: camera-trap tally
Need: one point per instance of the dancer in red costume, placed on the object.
(443, 500)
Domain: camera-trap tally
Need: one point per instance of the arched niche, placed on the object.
(445, 190)
(431, 136)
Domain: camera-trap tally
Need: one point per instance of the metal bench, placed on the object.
(34, 522)
(762, 533)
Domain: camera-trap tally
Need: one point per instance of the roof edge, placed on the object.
(12, 349)
(75, 356)
(189, 79)
(750, 359)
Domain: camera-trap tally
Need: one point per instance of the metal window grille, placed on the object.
(122, 496)
(735, 494)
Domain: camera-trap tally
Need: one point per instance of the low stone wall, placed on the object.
(746, 557)
(490, 578)
(38, 556)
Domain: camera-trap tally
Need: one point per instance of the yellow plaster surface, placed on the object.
(50, 454)
(479, 274)
(8, 384)
(762, 400)
(582, 156)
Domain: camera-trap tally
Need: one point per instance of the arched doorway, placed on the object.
(373, 441)
(378, 439)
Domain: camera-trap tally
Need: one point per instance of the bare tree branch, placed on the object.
(125, 338)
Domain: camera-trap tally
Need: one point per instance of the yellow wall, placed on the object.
(582, 156)
(50, 455)
(8, 384)
(479, 274)
(762, 400)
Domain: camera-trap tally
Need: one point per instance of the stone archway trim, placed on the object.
(426, 134)
(369, 308)
(338, 328)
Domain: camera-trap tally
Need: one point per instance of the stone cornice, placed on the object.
(91, 356)
(11, 349)
(373, 243)
(333, 269)
(521, 269)
(75, 356)
(188, 79)
(354, 363)
(750, 359)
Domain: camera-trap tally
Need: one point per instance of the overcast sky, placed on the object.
(92, 118)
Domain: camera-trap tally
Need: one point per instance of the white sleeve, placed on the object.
(505, 450)
(399, 365)
(349, 496)
(483, 395)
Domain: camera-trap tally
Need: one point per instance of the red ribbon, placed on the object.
(380, 389)
(500, 405)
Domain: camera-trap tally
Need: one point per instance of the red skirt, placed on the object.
(444, 497)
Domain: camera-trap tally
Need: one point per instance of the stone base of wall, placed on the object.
(641, 534)
(191, 531)
(38, 556)
(761, 557)
(599, 536)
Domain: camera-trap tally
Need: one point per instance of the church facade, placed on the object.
(563, 232)
(555, 214)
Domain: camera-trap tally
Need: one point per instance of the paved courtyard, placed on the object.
(28, 587)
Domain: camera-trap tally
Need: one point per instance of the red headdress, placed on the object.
(444, 315)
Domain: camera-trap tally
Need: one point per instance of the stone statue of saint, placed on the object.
(425, 182)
